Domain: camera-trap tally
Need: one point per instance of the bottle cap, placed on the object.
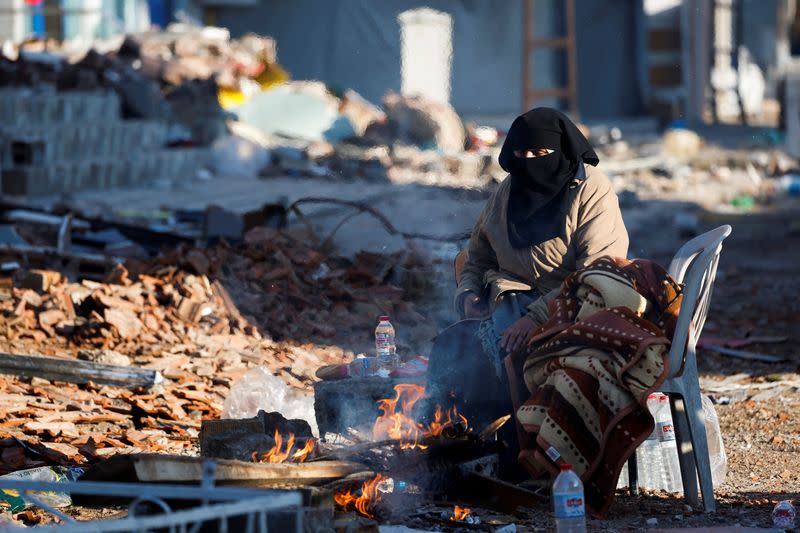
(565, 467)
(383, 318)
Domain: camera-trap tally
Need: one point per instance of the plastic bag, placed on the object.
(259, 389)
(49, 474)
(716, 448)
(232, 156)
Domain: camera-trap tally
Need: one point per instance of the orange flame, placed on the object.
(401, 426)
(364, 502)
(460, 513)
(437, 427)
(277, 454)
(302, 454)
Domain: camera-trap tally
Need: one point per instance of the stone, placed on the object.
(105, 357)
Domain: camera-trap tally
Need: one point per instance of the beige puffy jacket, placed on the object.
(592, 228)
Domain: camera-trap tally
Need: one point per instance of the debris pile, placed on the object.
(291, 290)
(171, 57)
(418, 121)
(182, 53)
(397, 162)
(680, 166)
(197, 79)
(185, 322)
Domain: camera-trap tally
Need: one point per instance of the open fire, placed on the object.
(279, 454)
(365, 502)
(400, 425)
(460, 514)
(397, 423)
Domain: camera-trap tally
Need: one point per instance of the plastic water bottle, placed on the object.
(783, 515)
(390, 485)
(385, 347)
(669, 447)
(568, 502)
(648, 456)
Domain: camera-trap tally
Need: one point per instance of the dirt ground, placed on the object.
(755, 295)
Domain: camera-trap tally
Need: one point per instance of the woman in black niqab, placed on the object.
(538, 183)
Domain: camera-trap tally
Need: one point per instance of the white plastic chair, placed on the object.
(695, 265)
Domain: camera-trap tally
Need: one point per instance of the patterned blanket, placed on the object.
(589, 369)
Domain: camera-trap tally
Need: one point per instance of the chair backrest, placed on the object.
(694, 265)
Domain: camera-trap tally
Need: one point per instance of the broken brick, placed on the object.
(124, 321)
(61, 452)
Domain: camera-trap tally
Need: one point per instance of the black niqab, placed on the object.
(538, 184)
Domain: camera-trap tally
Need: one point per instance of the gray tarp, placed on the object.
(356, 44)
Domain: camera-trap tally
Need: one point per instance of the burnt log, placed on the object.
(241, 438)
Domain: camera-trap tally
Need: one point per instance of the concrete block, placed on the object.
(79, 141)
(133, 167)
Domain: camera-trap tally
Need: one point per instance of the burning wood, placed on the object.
(460, 514)
(438, 427)
(403, 427)
(277, 454)
(366, 501)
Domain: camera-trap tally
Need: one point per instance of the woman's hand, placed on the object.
(517, 333)
(474, 307)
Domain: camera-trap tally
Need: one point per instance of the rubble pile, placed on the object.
(273, 301)
(286, 286)
(397, 163)
(183, 53)
(46, 423)
(680, 166)
(196, 79)
(178, 75)
(419, 121)
(173, 56)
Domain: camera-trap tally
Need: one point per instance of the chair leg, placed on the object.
(683, 437)
(633, 475)
(696, 418)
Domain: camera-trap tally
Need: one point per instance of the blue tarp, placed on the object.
(294, 113)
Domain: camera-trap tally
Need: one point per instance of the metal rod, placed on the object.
(74, 371)
(197, 516)
(174, 492)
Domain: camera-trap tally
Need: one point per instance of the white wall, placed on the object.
(14, 20)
